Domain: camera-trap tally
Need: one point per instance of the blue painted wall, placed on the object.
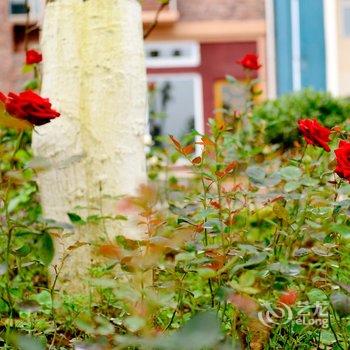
(313, 56)
(312, 45)
(283, 42)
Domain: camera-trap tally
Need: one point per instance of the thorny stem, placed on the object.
(206, 242)
(219, 192)
(156, 19)
(303, 154)
(179, 301)
(204, 203)
(10, 229)
(52, 294)
(337, 187)
(333, 331)
(26, 37)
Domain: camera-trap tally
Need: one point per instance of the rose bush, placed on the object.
(29, 106)
(343, 160)
(250, 61)
(230, 241)
(33, 57)
(314, 133)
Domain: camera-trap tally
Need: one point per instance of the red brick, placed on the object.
(194, 10)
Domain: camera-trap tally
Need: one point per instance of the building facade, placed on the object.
(338, 46)
(311, 44)
(193, 47)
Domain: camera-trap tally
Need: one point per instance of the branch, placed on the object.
(155, 22)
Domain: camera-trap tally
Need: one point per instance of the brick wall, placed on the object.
(192, 10)
(12, 53)
(6, 49)
(150, 5)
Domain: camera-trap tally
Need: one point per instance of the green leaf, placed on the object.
(46, 249)
(246, 290)
(25, 342)
(280, 211)
(256, 174)
(252, 261)
(291, 186)
(344, 230)
(327, 337)
(206, 273)
(134, 323)
(29, 306)
(341, 303)
(104, 283)
(316, 295)
(27, 68)
(201, 332)
(31, 85)
(290, 173)
(75, 219)
(288, 269)
(22, 251)
(247, 278)
(44, 298)
(3, 269)
(230, 79)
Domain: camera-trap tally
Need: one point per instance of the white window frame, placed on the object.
(197, 93)
(174, 62)
(345, 4)
(36, 14)
(173, 5)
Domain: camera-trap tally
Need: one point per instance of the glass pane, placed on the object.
(172, 106)
(346, 20)
(18, 8)
(229, 96)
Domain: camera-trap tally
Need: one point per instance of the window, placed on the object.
(345, 18)
(172, 54)
(229, 96)
(151, 5)
(175, 106)
(18, 12)
(17, 8)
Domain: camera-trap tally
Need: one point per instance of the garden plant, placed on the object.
(246, 247)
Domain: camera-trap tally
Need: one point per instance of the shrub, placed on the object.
(280, 116)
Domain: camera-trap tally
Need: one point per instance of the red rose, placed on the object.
(342, 155)
(2, 97)
(33, 57)
(29, 106)
(250, 61)
(314, 133)
(288, 297)
(152, 87)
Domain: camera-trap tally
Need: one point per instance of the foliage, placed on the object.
(246, 247)
(279, 117)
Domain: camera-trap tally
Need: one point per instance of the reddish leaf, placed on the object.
(188, 150)
(175, 141)
(215, 204)
(288, 298)
(77, 245)
(220, 173)
(197, 160)
(207, 142)
(220, 122)
(244, 303)
(230, 167)
(110, 251)
(218, 260)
